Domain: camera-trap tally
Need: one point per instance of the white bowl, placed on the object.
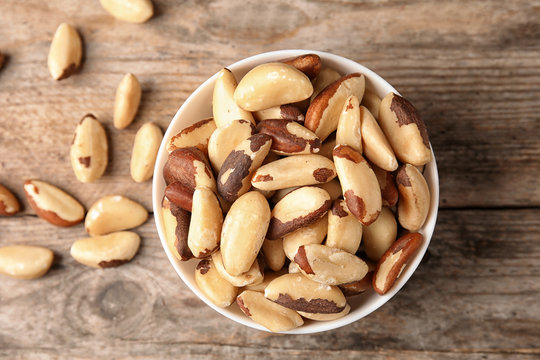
(199, 106)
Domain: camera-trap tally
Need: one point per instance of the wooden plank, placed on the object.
(477, 89)
(474, 296)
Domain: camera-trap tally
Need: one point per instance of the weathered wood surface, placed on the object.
(471, 68)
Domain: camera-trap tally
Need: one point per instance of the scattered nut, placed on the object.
(89, 150)
(107, 250)
(24, 261)
(323, 114)
(405, 130)
(114, 213)
(65, 53)
(272, 316)
(270, 85)
(330, 266)
(52, 204)
(218, 290)
(394, 260)
(9, 205)
(126, 102)
(145, 149)
(133, 11)
(196, 135)
(414, 197)
(224, 106)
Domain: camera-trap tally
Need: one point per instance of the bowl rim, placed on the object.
(373, 80)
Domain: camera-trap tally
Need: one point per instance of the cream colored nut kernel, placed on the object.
(268, 277)
(289, 137)
(349, 130)
(89, 150)
(394, 260)
(344, 230)
(176, 230)
(285, 112)
(126, 102)
(145, 149)
(217, 289)
(326, 77)
(310, 234)
(224, 139)
(323, 114)
(414, 197)
(326, 317)
(388, 187)
(328, 146)
(359, 184)
(297, 292)
(273, 254)
(24, 261)
(243, 232)
(9, 205)
(296, 170)
(372, 102)
(297, 209)
(253, 276)
(235, 174)
(114, 213)
(376, 147)
(133, 11)
(270, 85)
(106, 250)
(224, 106)
(293, 268)
(405, 130)
(333, 187)
(52, 204)
(330, 266)
(196, 135)
(380, 235)
(206, 221)
(267, 313)
(65, 53)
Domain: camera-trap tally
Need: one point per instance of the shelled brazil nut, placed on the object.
(301, 179)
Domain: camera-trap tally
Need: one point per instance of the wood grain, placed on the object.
(471, 68)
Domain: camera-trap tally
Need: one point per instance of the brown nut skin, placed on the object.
(176, 224)
(196, 135)
(309, 64)
(388, 187)
(190, 167)
(358, 287)
(394, 261)
(297, 292)
(285, 112)
(323, 114)
(9, 205)
(405, 130)
(235, 173)
(414, 197)
(297, 209)
(53, 204)
(272, 316)
(224, 139)
(180, 195)
(289, 137)
(359, 184)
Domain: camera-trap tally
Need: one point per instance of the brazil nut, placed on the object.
(180, 195)
(380, 235)
(326, 77)
(196, 135)
(190, 167)
(344, 230)
(388, 187)
(326, 317)
(206, 222)
(224, 106)
(405, 130)
(89, 150)
(376, 147)
(106, 251)
(25, 261)
(145, 149)
(359, 184)
(126, 102)
(273, 254)
(414, 197)
(285, 112)
(349, 130)
(224, 139)
(297, 170)
(309, 64)
(9, 205)
(243, 232)
(253, 276)
(297, 209)
(218, 290)
(311, 234)
(330, 266)
(114, 213)
(289, 137)
(176, 224)
(372, 102)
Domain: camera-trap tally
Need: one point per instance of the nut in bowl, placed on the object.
(263, 192)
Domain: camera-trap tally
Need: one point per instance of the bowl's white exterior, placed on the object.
(199, 106)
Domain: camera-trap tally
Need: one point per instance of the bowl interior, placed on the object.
(199, 106)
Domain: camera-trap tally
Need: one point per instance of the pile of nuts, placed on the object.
(299, 165)
(108, 245)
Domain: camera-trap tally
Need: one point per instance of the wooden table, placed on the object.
(472, 68)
